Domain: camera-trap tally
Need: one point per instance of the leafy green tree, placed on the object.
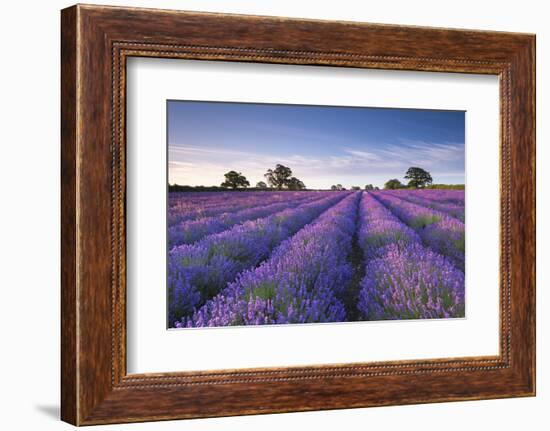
(261, 185)
(393, 184)
(369, 187)
(418, 178)
(340, 187)
(294, 183)
(279, 176)
(235, 180)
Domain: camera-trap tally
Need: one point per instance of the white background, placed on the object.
(151, 348)
(29, 224)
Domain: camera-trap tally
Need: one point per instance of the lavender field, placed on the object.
(279, 257)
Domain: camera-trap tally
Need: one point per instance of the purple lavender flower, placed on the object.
(303, 281)
(440, 232)
(198, 272)
(379, 227)
(183, 206)
(190, 231)
(279, 257)
(421, 198)
(411, 282)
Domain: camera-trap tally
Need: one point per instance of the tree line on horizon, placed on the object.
(281, 178)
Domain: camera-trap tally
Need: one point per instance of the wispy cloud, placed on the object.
(189, 149)
(322, 145)
(195, 165)
(363, 155)
(424, 153)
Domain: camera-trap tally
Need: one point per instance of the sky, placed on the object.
(322, 145)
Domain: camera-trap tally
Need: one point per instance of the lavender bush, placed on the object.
(411, 282)
(379, 227)
(190, 231)
(197, 272)
(254, 258)
(442, 233)
(449, 208)
(183, 206)
(443, 196)
(303, 281)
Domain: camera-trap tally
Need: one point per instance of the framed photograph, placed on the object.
(263, 214)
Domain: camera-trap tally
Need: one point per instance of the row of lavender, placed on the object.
(439, 200)
(303, 252)
(437, 195)
(190, 231)
(185, 206)
(304, 280)
(438, 230)
(404, 279)
(199, 271)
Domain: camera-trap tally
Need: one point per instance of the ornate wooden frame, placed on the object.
(96, 41)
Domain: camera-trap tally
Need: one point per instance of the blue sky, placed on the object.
(322, 145)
